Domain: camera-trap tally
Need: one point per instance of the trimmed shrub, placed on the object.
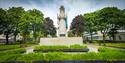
(31, 57)
(8, 47)
(76, 46)
(51, 56)
(40, 48)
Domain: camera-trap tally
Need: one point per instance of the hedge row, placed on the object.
(40, 48)
(105, 54)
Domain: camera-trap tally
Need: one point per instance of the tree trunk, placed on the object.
(104, 39)
(7, 36)
(34, 33)
(113, 36)
(91, 36)
(15, 35)
(15, 38)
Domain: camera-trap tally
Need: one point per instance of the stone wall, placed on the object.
(61, 41)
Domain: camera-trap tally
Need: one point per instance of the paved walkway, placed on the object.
(93, 48)
(29, 50)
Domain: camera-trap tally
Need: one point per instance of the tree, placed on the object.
(48, 27)
(91, 23)
(110, 19)
(77, 25)
(15, 15)
(6, 24)
(25, 26)
(36, 19)
(31, 21)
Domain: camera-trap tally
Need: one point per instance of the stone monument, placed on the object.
(61, 38)
(62, 23)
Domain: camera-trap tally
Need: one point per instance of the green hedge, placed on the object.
(104, 54)
(112, 54)
(60, 47)
(52, 56)
(76, 46)
(11, 55)
(31, 57)
(50, 47)
(14, 51)
(8, 47)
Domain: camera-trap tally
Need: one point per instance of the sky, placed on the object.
(50, 8)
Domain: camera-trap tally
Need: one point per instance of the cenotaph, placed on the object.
(62, 38)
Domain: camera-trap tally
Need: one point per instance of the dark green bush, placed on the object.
(50, 47)
(60, 47)
(76, 46)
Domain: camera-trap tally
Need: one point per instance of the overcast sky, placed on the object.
(50, 8)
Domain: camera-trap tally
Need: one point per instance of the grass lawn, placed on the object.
(117, 45)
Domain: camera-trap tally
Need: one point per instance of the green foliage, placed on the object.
(117, 45)
(51, 56)
(76, 46)
(36, 19)
(48, 27)
(6, 26)
(8, 47)
(91, 23)
(50, 47)
(70, 34)
(106, 54)
(107, 20)
(77, 25)
(15, 14)
(111, 54)
(11, 55)
(87, 56)
(14, 51)
(30, 57)
(16, 20)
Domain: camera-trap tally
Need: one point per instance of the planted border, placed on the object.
(70, 61)
(72, 48)
(8, 47)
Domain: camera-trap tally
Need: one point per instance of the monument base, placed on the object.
(67, 41)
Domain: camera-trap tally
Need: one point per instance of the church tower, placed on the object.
(62, 23)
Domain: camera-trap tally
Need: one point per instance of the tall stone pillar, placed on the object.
(62, 23)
